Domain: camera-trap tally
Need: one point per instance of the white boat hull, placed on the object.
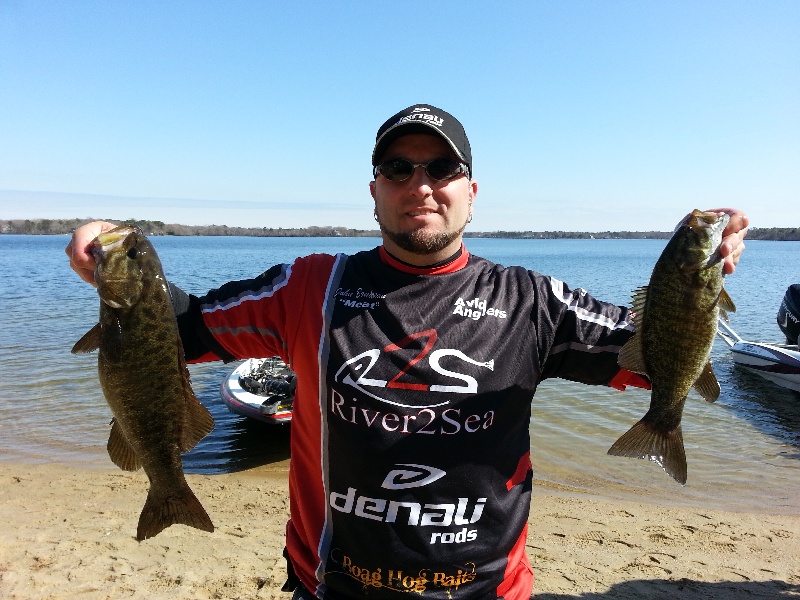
(777, 363)
(243, 402)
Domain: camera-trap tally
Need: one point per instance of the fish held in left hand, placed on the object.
(676, 321)
(144, 378)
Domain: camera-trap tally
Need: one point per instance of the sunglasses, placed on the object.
(439, 169)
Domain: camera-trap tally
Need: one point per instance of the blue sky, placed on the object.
(583, 115)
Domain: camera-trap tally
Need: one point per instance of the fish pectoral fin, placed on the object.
(197, 424)
(197, 421)
(707, 385)
(120, 450)
(725, 303)
(631, 356)
(646, 440)
(89, 342)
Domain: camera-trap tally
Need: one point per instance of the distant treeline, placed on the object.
(66, 226)
(63, 226)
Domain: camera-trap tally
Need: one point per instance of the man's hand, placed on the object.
(80, 259)
(732, 238)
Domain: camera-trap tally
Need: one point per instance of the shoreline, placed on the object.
(159, 228)
(70, 534)
(545, 480)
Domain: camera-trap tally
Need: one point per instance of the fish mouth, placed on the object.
(110, 240)
(699, 218)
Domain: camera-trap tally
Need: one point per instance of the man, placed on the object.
(417, 363)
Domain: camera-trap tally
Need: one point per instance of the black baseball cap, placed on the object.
(424, 118)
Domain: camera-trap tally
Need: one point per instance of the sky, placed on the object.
(582, 115)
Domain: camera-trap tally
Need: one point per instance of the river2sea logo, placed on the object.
(475, 308)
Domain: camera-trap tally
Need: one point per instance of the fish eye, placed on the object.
(133, 252)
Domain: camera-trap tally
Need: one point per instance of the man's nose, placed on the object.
(420, 182)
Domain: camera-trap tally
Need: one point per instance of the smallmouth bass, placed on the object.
(676, 321)
(143, 374)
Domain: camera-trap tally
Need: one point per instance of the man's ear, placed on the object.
(473, 190)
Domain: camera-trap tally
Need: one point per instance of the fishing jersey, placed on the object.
(410, 449)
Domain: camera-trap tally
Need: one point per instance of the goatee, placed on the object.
(423, 242)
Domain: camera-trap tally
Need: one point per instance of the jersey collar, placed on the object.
(458, 263)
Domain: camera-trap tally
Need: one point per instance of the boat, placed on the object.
(779, 363)
(262, 389)
(776, 362)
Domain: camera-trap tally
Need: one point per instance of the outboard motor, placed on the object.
(789, 314)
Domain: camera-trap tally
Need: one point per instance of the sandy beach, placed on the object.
(69, 533)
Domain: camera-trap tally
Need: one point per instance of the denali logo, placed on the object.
(430, 119)
(400, 479)
(415, 513)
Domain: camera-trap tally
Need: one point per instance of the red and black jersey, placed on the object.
(410, 467)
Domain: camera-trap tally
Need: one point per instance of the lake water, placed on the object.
(743, 451)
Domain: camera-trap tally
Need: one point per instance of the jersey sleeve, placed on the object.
(255, 317)
(581, 337)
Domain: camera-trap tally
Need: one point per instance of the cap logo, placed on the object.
(426, 118)
(419, 118)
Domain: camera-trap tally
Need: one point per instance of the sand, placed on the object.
(69, 533)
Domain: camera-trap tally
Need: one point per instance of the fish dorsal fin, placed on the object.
(89, 342)
(707, 385)
(631, 357)
(725, 303)
(637, 305)
(197, 422)
(120, 450)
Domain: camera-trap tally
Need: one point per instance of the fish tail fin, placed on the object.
(161, 511)
(665, 447)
